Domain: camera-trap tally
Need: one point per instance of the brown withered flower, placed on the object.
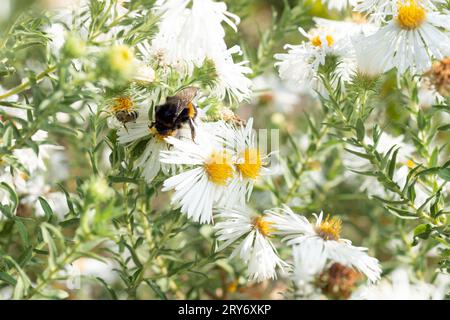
(338, 281)
(439, 75)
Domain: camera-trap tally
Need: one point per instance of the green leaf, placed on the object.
(401, 213)
(156, 289)
(444, 173)
(392, 163)
(107, 288)
(359, 154)
(360, 131)
(22, 231)
(46, 207)
(444, 127)
(118, 179)
(422, 231)
(7, 278)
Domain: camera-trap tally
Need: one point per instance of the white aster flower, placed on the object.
(149, 160)
(302, 62)
(410, 41)
(398, 286)
(205, 183)
(190, 36)
(249, 160)
(378, 10)
(324, 238)
(231, 78)
(254, 248)
(183, 43)
(28, 157)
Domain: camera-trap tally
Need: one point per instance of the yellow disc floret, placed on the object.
(122, 104)
(410, 15)
(251, 165)
(329, 228)
(219, 167)
(317, 42)
(264, 227)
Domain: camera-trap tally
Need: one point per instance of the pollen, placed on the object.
(410, 15)
(122, 104)
(251, 165)
(264, 227)
(317, 42)
(410, 164)
(330, 228)
(219, 167)
(160, 137)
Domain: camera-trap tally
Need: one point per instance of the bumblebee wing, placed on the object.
(184, 96)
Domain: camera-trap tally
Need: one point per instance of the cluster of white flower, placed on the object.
(210, 169)
(31, 179)
(183, 42)
(406, 35)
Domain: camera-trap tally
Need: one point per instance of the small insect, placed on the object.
(177, 111)
(126, 116)
(123, 110)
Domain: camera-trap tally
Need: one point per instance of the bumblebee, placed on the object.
(177, 111)
(123, 110)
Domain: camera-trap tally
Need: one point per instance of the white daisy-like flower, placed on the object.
(28, 157)
(254, 248)
(231, 78)
(410, 41)
(378, 10)
(302, 62)
(324, 238)
(182, 36)
(398, 286)
(206, 182)
(184, 43)
(249, 160)
(149, 160)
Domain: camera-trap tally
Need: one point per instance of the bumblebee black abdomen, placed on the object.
(177, 111)
(166, 114)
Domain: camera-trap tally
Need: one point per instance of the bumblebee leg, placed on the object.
(125, 126)
(191, 125)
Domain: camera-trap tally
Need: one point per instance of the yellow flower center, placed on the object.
(122, 104)
(160, 137)
(264, 227)
(251, 165)
(410, 164)
(317, 42)
(121, 57)
(330, 228)
(410, 15)
(219, 167)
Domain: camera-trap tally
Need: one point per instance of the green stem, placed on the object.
(27, 83)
